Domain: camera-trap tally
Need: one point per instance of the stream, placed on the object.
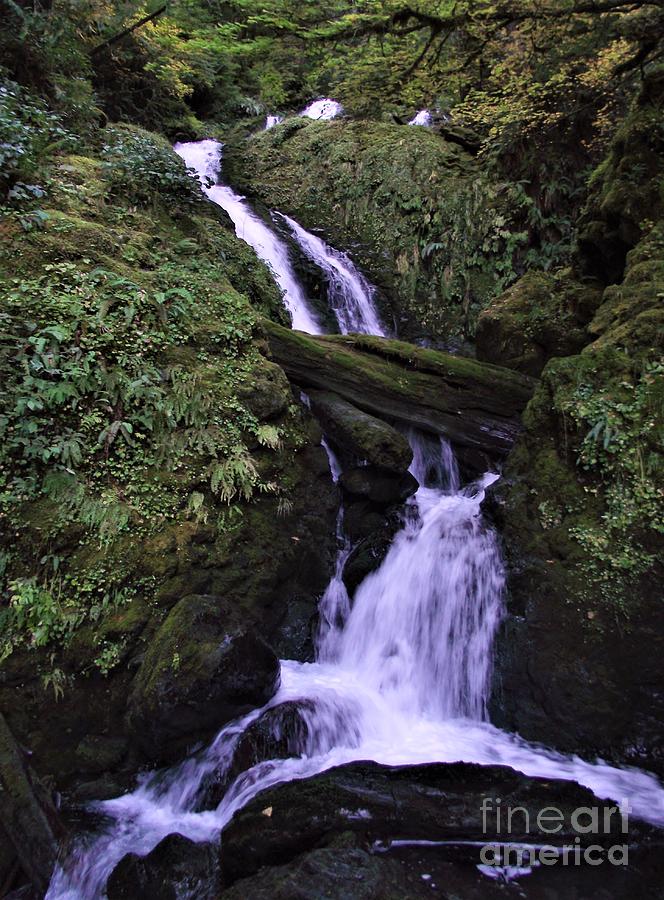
(402, 675)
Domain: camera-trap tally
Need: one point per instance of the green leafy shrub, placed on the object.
(29, 135)
(621, 427)
(142, 167)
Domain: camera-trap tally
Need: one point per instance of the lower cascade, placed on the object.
(401, 677)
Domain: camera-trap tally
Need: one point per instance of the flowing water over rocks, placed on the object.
(401, 675)
(350, 295)
(401, 678)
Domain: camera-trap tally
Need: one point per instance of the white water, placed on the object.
(422, 118)
(205, 158)
(323, 109)
(271, 121)
(402, 678)
(350, 295)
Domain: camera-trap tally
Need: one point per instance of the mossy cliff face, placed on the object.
(580, 657)
(150, 449)
(626, 195)
(414, 211)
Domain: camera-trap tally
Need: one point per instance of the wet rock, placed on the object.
(203, 668)
(177, 867)
(377, 486)
(369, 805)
(335, 874)
(363, 436)
(279, 733)
(28, 817)
(369, 552)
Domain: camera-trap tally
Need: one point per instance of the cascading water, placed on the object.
(323, 109)
(205, 158)
(350, 295)
(423, 118)
(401, 678)
(271, 121)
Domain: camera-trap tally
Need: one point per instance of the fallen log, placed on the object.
(477, 406)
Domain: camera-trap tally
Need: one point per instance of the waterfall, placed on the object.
(401, 678)
(433, 606)
(349, 294)
(271, 121)
(205, 158)
(323, 109)
(423, 118)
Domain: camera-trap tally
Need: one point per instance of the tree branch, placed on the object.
(125, 31)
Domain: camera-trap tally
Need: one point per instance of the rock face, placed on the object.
(365, 806)
(579, 661)
(29, 822)
(475, 405)
(203, 668)
(539, 317)
(627, 194)
(177, 867)
(384, 193)
(360, 434)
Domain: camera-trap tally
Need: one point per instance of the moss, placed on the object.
(627, 190)
(86, 245)
(541, 316)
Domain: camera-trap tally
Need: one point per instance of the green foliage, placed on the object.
(30, 134)
(142, 168)
(621, 450)
(123, 346)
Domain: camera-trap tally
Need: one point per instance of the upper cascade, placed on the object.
(349, 294)
(271, 121)
(323, 109)
(205, 158)
(423, 117)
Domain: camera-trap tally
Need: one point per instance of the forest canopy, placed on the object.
(500, 66)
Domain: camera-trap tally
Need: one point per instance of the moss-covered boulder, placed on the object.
(539, 317)
(203, 667)
(363, 436)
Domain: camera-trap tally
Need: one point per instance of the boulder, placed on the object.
(203, 668)
(377, 486)
(363, 436)
(278, 733)
(368, 805)
(369, 552)
(540, 316)
(475, 405)
(177, 867)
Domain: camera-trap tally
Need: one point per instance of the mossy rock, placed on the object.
(203, 668)
(411, 208)
(627, 189)
(361, 435)
(539, 317)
